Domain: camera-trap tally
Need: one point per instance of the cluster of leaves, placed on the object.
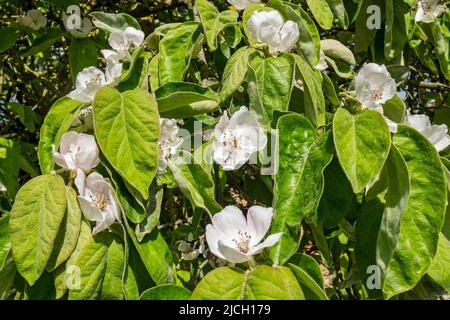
(348, 195)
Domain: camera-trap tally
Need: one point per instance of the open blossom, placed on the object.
(77, 26)
(97, 200)
(34, 19)
(168, 142)
(436, 134)
(269, 27)
(237, 139)
(242, 4)
(123, 41)
(236, 239)
(77, 151)
(374, 86)
(428, 10)
(90, 79)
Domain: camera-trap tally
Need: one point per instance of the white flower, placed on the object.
(77, 151)
(436, 134)
(242, 4)
(269, 27)
(168, 142)
(374, 86)
(113, 72)
(123, 41)
(428, 10)
(322, 64)
(88, 81)
(97, 200)
(34, 19)
(2, 187)
(232, 237)
(237, 139)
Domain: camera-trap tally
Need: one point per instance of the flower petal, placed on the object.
(229, 222)
(89, 211)
(289, 36)
(80, 182)
(213, 238)
(258, 223)
(231, 254)
(270, 241)
(420, 122)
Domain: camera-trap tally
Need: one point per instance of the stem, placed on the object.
(252, 263)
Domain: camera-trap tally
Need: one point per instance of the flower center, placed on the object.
(95, 80)
(231, 141)
(426, 6)
(376, 95)
(243, 241)
(101, 201)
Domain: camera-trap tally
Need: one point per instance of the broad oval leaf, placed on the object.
(127, 130)
(424, 216)
(34, 223)
(235, 71)
(175, 52)
(56, 123)
(166, 292)
(299, 181)
(82, 54)
(270, 85)
(362, 145)
(68, 233)
(322, 12)
(261, 283)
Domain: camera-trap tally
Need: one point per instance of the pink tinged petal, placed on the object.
(134, 36)
(270, 241)
(231, 254)
(213, 238)
(258, 223)
(89, 211)
(68, 139)
(80, 182)
(229, 222)
(389, 91)
(88, 156)
(60, 159)
(420, 122)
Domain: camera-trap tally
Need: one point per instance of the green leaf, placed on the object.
(439, 269)
(308, 43)
(396, 33)
(82, 54)
(362, 145)
(235, 71)
(334, 205)
(396, 198)
(175, 52)
(34, 223)
(127, 130)
(153, 212)
(68, 234)
(113, 21)
(338, 8)
(184, 99)
(270, 85)
(213, 21)
(112, 281)
(298, 184)
(166, 292)
(322, 12)
(56, 123)
(195, 183)
(314, 101)
(261, 283)
(395, 109)
(137, 76)
(8, 37)
(7, 275)
(367, 230)
(42, 43)
(423, 218)
(155, 255)
(309, 276)
(336, 50)
(364, 36)
(5, 243)
(101, 263)
(43, 289)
